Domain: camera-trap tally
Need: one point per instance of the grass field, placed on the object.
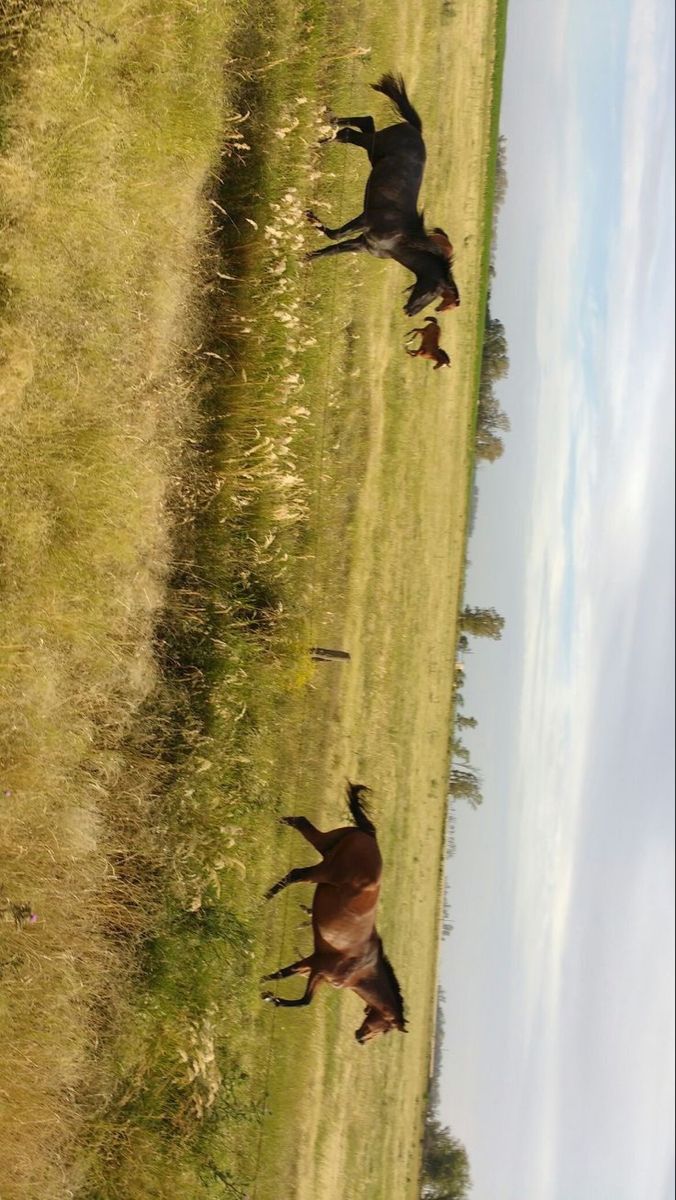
(211, 459)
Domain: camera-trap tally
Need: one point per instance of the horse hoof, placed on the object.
(313, 219)
(268, 997)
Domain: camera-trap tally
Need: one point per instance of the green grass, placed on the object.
(213, 458)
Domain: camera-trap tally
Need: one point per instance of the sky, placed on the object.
(558, 1053)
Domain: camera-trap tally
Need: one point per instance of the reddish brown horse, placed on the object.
(348, 952)
(429, 344)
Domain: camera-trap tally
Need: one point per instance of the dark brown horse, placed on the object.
(429, 344)
(348, 952)
(390, 225)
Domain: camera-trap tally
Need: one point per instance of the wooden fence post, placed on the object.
(323, 654)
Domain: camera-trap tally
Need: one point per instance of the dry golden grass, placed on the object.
(107, 149)
(116, 130)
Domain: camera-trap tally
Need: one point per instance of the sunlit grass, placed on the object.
(112, 128)
(124, 345)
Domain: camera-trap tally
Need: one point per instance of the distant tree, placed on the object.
(482, 622)
(446, 1171)
(439, 1029)
(500, 191)
(495, 357)
(466, 722)
(473, 506)
(501, 180)
(465, 784)
(490, 416)
(494, 366)
(488, 446)
(460, 751)
(463, 644)
(450, 851)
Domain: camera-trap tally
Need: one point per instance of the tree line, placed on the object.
(491, 420)
(465, 780)
(446, 1170)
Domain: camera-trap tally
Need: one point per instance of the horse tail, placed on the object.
(394, 88)
(355, 792)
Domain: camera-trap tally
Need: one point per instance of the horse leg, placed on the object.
(365, 124)
(280, 1002)
(354, 226)
(352, 247)
(314, 874)
(353, 137)
(323, 842)
(302, 967)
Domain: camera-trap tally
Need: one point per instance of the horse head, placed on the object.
(434, 275)
(421, 293)
(450, 296)
(376, 1022)
(385, 1007)
(424, 292)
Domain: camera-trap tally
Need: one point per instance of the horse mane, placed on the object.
(442, 244)
(433, 243)
(394, 984)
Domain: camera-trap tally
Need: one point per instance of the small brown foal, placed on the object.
(429, 344)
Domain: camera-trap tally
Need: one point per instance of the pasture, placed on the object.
(213, 458)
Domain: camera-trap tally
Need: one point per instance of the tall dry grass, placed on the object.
(152, 497)
(112, 122)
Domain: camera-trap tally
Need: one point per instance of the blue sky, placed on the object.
(559, 975)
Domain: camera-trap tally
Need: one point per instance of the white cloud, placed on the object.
(583, 561)
(563, 1048)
